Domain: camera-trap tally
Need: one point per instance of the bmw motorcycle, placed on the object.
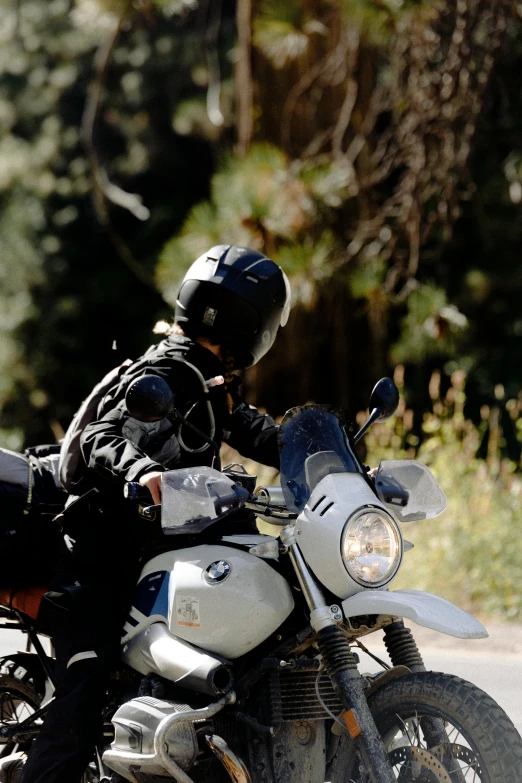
(239, 654)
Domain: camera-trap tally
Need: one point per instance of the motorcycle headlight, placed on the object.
(371, 547)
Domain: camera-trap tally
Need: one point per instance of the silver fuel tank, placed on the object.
(217, 598)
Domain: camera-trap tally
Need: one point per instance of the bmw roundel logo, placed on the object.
(217, 572)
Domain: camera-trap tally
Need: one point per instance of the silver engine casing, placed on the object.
(135, 724)
(155, 650)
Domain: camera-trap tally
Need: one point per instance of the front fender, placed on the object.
(422, 608)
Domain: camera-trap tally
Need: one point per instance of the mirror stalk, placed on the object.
(374, 416)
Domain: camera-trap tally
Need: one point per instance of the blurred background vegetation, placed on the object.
(373, 148)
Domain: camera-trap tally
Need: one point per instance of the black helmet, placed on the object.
(237, 296)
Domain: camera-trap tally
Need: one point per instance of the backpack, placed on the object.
(71, 457)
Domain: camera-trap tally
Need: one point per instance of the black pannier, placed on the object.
(30, 497)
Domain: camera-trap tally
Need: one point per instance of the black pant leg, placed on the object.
(99, 575)
(65, 745)
(87, 650)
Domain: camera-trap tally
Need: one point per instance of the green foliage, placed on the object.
(431, 326)
(191, 117)
(66, 291)
(367, 137)
(472, 554)
(377, 18)
(310, 258)
(20, 269)
(281, 30)
(250, 189)
(331, 182)
(290, 13)
(261, 201)
(367, 277)
(289, 209)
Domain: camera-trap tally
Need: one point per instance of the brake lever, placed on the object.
(149, 512)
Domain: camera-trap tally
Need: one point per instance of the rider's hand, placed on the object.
(152, 481)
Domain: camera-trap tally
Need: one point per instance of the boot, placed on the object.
(11, 768)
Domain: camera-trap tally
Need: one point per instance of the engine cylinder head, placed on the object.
(136, 723)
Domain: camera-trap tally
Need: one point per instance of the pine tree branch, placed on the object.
(104, 189)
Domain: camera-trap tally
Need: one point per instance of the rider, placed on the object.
(229, 308)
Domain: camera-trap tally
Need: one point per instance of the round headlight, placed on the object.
(371, 547)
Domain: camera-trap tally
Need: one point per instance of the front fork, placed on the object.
(341, 666)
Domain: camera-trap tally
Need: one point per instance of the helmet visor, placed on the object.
(288, 300)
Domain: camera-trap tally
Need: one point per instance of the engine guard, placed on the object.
(422, 608)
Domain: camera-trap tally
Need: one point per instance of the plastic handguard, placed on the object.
(193, 498)
(426, 499)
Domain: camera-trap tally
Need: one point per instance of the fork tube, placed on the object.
(311, 589)
(341, 666)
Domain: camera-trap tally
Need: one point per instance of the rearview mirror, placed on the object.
(149, 398)
(384, 401)
(384, 398)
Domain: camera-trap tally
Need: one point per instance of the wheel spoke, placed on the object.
(405, 729)
(416, 723)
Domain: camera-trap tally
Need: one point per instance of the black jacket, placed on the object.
(117, 448)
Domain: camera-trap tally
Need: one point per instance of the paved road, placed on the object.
(485, 663)
(500, 677)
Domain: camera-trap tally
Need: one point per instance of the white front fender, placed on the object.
(422, 608)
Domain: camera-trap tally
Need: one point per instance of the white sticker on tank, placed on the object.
(187, 611)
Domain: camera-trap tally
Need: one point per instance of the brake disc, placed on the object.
(460, 753)
(419, 766)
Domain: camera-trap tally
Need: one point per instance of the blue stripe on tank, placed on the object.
(161, 605)
(152, 594)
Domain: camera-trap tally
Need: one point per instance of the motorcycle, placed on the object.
(239, 654)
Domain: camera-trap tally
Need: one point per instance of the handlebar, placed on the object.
(134, 491)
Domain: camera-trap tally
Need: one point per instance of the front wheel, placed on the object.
(479, 743)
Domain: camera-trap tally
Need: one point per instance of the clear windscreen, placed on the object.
(313, 444)
(422, 497)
